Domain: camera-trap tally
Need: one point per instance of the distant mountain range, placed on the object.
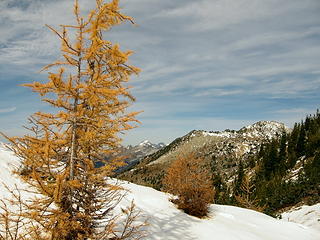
(134, 154)
(143, 149)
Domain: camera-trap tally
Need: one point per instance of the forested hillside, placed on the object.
(288, 168)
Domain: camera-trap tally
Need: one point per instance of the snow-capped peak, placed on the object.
(266, 124)
(145, 143)
(267, 129)
(161, 145)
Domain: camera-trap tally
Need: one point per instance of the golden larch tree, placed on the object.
(246, 197)
(189, 179)
(88, 88)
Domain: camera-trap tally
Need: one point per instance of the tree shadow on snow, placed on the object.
(171, 226)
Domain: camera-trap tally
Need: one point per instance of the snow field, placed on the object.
(224, 222)
(167, 222)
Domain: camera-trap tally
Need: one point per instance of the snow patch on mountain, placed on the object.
(219, 134)
(264, 129)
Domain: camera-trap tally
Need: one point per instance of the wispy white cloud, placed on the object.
(300, 111)
(211, 15)
(290, 116)
(7, 110)
(218, 92)
(270, 38)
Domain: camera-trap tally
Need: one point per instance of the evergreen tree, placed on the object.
(292, 144)
(271, 159)
(239, 179)
(307, 123)
(301, 142)
(88, 87)
(313, 136)
(315, 175)
(313, 171)
(282, 154)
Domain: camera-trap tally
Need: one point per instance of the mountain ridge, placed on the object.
(223, 148)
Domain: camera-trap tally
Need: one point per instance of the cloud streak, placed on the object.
(8, 110)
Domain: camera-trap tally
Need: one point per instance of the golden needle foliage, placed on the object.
(88, 87)
(246, 198)
(189, 179)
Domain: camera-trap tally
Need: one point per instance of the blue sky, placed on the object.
(206, 64)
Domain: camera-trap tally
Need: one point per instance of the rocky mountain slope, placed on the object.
(223, 150)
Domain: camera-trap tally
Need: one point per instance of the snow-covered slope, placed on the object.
(306, 215)
(224, 222)
(167, 222)
(8, 162)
